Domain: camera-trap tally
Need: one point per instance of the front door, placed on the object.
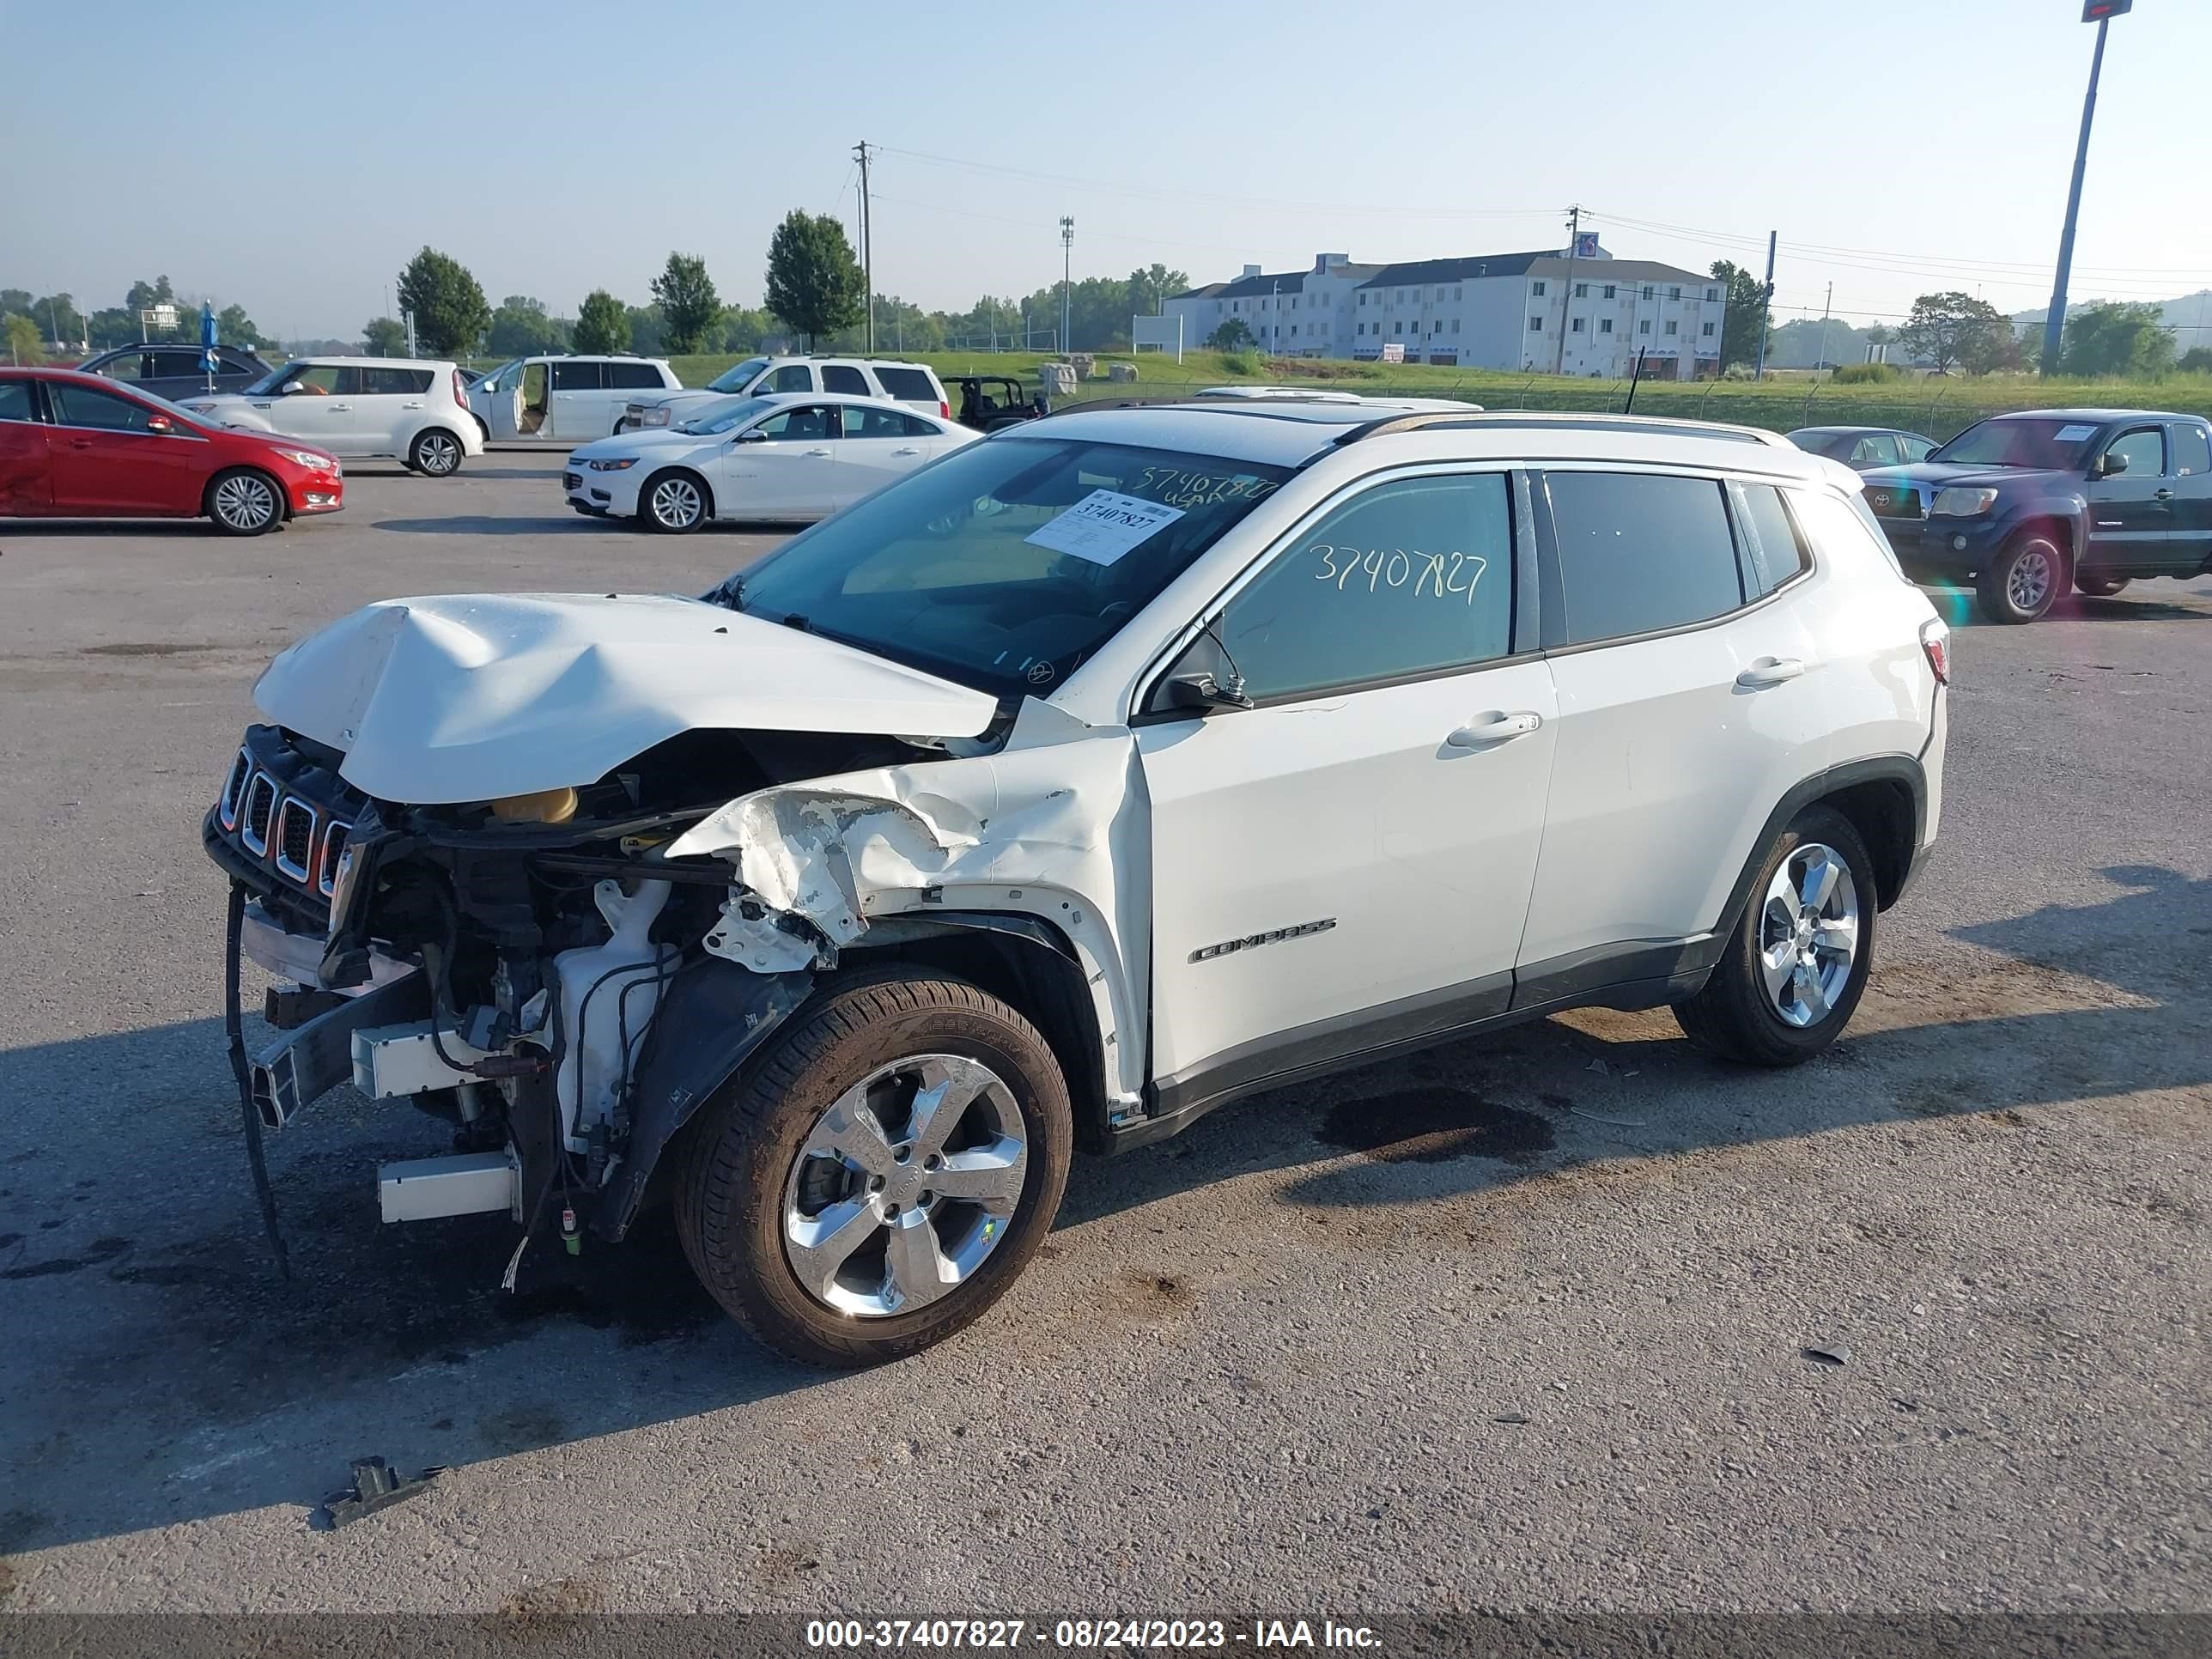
(1347, 863)
(782, 467)
(578, 406)
(105, 460)
(1687, 710)
(2130, 512)
(25, 484)
(316, 402)
(2191, 484)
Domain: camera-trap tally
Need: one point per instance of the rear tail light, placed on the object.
(944, 409)
(1935, 641)
(460, 390)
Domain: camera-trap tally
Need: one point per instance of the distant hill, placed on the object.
(2190, 316)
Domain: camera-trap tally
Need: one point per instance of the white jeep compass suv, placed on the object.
(1101, 772)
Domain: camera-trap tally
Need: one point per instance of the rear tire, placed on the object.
(1794, 969)
(2099, 587)
(675, 503)
(2023, 581)
(437, 452)
(822, 1152)
(243, 502)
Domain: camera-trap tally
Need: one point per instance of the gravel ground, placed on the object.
(1516, 1322)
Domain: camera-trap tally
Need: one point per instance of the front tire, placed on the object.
(1793, 970)
(2099, 587)
(674, 503)
(435, 453)
(878, 1177)
(243, 502)
(2024, 580)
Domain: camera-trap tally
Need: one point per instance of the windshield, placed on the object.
(1834, 445)
(727, 417)
(501, 376)
(1005, 565)
(2057, 445)
(267, 382)
(738, 378)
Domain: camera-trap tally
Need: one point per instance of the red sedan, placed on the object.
(75, 445)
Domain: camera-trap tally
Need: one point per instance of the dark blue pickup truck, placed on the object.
(2023, 504)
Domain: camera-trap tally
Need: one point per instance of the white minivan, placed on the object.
(367, 407)
(564, 400)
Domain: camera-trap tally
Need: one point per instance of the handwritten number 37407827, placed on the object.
(1381, 567)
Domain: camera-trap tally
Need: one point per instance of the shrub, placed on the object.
(1241, 362)
(1866, 374)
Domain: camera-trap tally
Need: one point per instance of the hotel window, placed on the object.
(1712, 294)
(1708, 330)
(1536, 288)
(1577, 326)
(1607, 292)
(1582, 290)
(1644, 327)
(1536, 325)
(1605, 325)
(1648, 290)
(1455, 324)
(1673, 292)
(1670, 328)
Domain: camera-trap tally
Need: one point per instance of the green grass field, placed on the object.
(1937, 406)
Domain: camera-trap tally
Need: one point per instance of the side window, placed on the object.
(809, 424)
(1773, 550)
(1639, 552)
(634, 377)
(2192, 452)
(908, 386)
(325, 381)
(874, 423)
(1917, 449)
(844, 377)
(390, 381)
(174, 365)
(2145, 448)
(575, 377)
(130, 366)
(15, 401)
(914, 426)
(1410, 578)
(79, 405)
(792, 377)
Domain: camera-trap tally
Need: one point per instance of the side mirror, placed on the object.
(2112, 464)
(1201, 693)
(750, 435)
(160, 424)
(291, 387)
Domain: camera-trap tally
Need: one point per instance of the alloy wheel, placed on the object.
(905, 1185)
(2028, 583)
(1809, 934)
(437, 455)
(245, 503)
(675, 503)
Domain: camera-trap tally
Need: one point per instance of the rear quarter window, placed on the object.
(635, 377)
(1842, 530)
(1639, 552)
(843, 378)
(909, 386)
(575, 377)
(406, 382)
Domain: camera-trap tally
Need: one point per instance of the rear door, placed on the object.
(25, 484)
(846, 380)
(907, 384)
(2191, 484)
(175, 372)
(391, 407)
(1690, 704)
(624, 381)
(2131, 512)
(106, 459)
(878, 446)
(579, 397)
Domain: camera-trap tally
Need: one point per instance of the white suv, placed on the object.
(563, 397)
(1102, 771)
(414, 411)
(912, 384)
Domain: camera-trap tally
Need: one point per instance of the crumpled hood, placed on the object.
(468, 698)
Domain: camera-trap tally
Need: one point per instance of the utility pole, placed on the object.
(1567, 288)
(867, 243)
(1766, 308)
(2102, 13)
(1066, 281)
(1826, 306)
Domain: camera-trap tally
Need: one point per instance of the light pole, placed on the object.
(1067, 280)
(2102, 13)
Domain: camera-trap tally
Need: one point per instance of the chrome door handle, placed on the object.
(822, 452)
(417, 404)
(2161, 495)
(909, 450)
(339, 409)
(1498, 730)
(1770, 671)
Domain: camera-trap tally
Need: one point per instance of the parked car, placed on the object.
(414, 411)
(75, 445)
(175, 372)
(988, 401)
(1861, 447)
(2023, 504)
(778, 458)
(563, 399)
(912, 384)
(1111, 769)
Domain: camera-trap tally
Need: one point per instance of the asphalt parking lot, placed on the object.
(1518, 1322)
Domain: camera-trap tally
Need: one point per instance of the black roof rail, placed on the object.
(1452, 419)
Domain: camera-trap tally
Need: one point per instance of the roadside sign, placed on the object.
(2096, 11)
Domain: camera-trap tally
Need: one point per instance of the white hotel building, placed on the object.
(1538, 312)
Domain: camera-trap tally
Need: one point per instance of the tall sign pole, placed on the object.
(1766, 308)
(867, 243)
(2102, 13)
(1067, 280)
(1567, 286)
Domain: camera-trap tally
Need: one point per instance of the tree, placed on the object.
(1746, 316)
(234, 327)
(1955, 328)
(2113, 337)
(647, 330)
(689, 306)
(814, 283)
(1233, 335)
(113, 325)
(602, 323)
(450, 312)
(1150, 286)
(2197, 360)
(739, 329)
(520, 326)
(384, 337)
(23, 343)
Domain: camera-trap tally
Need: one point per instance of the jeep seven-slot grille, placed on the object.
(233, 786)
(296, 838)
(260, 808)
(327, 875)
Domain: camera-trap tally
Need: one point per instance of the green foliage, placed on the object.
(1745, 318)
(646, 330)
(24, 345)
(689, 305)
(2197, 360)
(384, 337)
(521, 327)
(234, 327)
(1244, 363)
(602, 323)
(450, 311)
(1234, 335)
(2114, 338)
(1952, 329)
(814, 284)
(1865, 373)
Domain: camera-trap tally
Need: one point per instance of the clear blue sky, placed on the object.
(295, 163)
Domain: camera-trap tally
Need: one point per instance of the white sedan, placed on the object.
(777, 458)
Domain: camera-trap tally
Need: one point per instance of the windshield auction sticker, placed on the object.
(1104, 526)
